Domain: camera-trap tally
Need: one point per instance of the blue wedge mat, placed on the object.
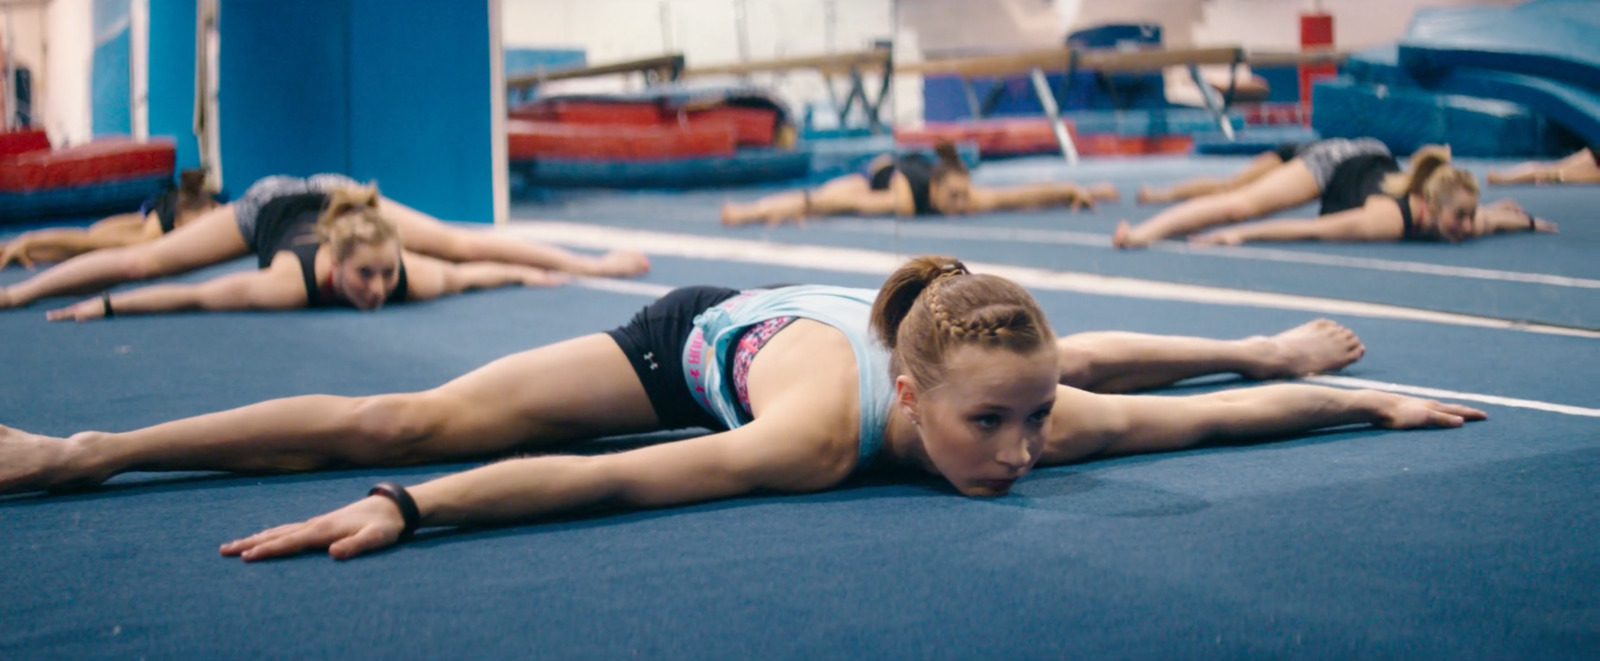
(1522, 40)
(1406, 118)
(1575, 108)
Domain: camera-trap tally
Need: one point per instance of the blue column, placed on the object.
(110, 87)
(283, 89)
(420, 103)
(171, 77)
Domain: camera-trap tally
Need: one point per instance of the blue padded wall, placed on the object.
(396, 92)
(420, 104)
(171, 77)
(283, 92)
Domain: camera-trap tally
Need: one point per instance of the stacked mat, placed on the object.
(1491, 82)
(663, 138)
(105, 176)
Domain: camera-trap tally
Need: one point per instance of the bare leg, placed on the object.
(212, 238)
(427, 235)
(525, 400)
(1122, 362)
(770, 209)
(1256, 169)
(1285, 186)
(850, 194)
(1577, 168)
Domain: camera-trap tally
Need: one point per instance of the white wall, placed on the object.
(1275, 24)
(61, 95)
(706, 31)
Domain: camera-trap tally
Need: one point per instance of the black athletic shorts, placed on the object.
(654, 341)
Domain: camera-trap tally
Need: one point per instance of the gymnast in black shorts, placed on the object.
(911, 185)
(317, 249)
(1365, 196)
(229, 232)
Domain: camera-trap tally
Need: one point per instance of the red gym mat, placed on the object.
(112, 159)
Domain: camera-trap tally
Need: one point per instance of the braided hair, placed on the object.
(933, 304)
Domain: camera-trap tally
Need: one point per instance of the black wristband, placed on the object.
(105, 304)
(402, 499)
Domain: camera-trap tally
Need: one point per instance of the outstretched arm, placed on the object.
(1508, 216)
(431, 278)
(272, 289)
(1363, 224)
(1120, 424)
(765, 455)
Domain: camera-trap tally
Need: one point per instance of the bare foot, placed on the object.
(1105, 192)
(1317, 346)
(623, 264)
(735, 215)
(31, 462)
(730, 215)
(1123, 237)
(1148, 195)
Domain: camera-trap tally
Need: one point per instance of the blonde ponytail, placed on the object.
(351, 218)
(1431, 177)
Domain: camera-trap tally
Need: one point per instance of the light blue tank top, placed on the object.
(845, 309)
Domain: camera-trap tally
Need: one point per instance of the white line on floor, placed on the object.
(851, 260)
(1066, 237)
(1435, 393)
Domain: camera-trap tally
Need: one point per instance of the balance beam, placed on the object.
(1035, 63)
(852, 64)
(1295, 58)
(655, 69)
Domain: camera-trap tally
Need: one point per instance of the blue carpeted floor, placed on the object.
(1469, 543)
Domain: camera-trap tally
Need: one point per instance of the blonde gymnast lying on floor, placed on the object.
(1365, 196)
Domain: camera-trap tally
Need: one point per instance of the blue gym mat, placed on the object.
(1469, 543)
(1081, 242)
